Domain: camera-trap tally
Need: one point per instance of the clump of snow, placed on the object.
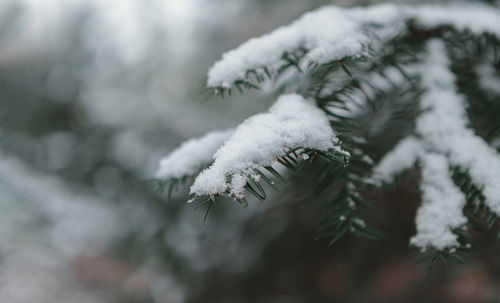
(189, 158)
(290, 123)
(238, 182)
(442, 204)
(333, 33)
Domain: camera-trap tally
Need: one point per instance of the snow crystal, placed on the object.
(290, 123)
(192, 155)
(333, 33)
(442, 205)
(238, 182)
(402, 157)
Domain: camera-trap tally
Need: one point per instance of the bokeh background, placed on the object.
(92, 94)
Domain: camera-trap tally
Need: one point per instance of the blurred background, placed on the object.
(92, 94)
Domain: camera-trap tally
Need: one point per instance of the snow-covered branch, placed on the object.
(332, 33)
(292, 122)
(444, 126)
(442, 204)
(333, 100)
(444, 141)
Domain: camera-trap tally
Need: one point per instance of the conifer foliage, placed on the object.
(418, 83)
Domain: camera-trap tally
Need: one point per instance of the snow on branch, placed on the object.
(292, 122)
(475, 17)
(444, 127)
(443, 119)
(189, 158)
(332, 33)
(443, 140)
(442, 204)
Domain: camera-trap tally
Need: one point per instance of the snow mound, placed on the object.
(291, 122)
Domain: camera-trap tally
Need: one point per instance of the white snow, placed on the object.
(444, 141)
(442, 204)
(332, 33)
(329, 33)
(444, 126)
(477, 18)
(238, 182)
(402, 157)
(189, 158)
(291, 122)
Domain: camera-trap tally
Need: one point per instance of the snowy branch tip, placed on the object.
(292, 122)
(191, 157)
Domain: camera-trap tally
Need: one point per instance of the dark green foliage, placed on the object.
(469, 52)
(479, 215)
(294, 160)
(435, 257)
